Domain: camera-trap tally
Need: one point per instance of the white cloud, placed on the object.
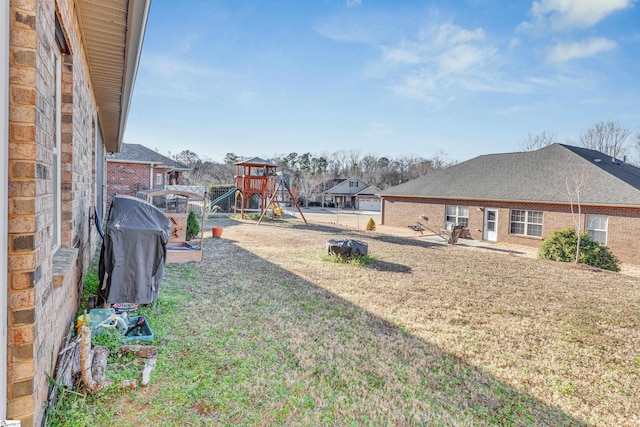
(563, 52)
(449, 34)
(463, 57)
(344, 33)
(565, 14)
(419, 86)
(436, 64)
(400, 55)
(354, 3)
(441, 58)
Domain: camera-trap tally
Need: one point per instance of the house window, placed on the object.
(353, 184)
(458, 215)
(158, 178)
(526, 223)
(597, 228)
(57, 140)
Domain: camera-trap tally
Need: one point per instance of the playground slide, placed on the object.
(221, 198)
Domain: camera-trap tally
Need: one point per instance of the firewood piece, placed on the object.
(149, 366)
(144, 351)
(68, 363)
(85, 361)
(99, 356)
(132, 384)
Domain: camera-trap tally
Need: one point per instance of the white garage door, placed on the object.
(369, 204)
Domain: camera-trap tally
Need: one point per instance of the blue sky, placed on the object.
(259, 78)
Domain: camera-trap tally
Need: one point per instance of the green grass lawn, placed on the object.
(265, 333)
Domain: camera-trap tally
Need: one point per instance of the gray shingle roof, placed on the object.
(344, 188)
(255, 161)
(370, 190)
(140, 153)
(534, 176)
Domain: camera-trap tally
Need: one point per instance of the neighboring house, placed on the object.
(317, 193)
(522, 198)
(354, 193)
(136, 168)
(66, 77)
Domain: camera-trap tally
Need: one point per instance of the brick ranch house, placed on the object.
(66, 78)
(137, 168)
(521, 198)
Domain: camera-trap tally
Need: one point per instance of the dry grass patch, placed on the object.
(267, 332)
(566, 334)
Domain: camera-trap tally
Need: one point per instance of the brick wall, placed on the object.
(44, 286)
(127, 178)
(623, 223)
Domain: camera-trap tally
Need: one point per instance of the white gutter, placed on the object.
(137, 16)
(4, 203)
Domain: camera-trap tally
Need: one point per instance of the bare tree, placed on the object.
(575, 184)
(339, 163)
(636, 147)
(369, 169)
(187, 157)
(535, 142)
(354, 162)
(305, 185)
(607, 137)
(440, 161)
(209, 172)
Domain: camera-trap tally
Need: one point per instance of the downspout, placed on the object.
(4, 196)
(151, 176)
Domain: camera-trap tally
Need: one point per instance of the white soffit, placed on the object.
(112, 34)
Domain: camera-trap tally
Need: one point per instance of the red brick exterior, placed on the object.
(623, 223)
(43, 286)
(129, 178)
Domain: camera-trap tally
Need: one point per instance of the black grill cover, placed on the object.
(134, 250)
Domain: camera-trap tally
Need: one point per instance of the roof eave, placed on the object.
(112, 35)
(540, 202)
(136, 25)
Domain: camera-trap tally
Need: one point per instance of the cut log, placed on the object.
(85, 361)
(128, 384)
(99, 356)
(144, 351)
(149, 366)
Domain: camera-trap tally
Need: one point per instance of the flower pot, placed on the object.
(216, 232)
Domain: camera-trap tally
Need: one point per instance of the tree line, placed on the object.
(309, 171)
(609, 138)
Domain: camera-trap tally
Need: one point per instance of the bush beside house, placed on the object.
(561, 246)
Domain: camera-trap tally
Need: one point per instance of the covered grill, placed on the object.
(133, 252)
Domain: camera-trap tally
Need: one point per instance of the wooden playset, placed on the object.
(259, 177)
